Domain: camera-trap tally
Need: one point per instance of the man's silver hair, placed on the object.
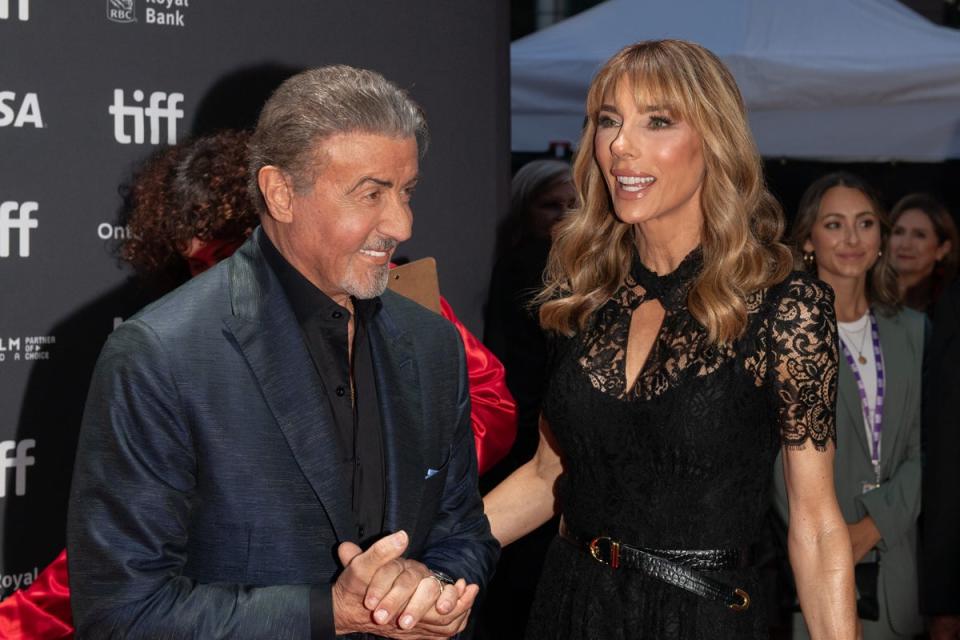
(319, 103)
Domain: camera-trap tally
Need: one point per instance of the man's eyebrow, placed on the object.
(377, 181)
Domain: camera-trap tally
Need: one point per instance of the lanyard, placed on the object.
(876, 423)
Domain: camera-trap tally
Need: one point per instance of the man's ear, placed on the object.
(277, 193)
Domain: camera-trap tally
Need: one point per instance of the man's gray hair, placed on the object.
(318, 103)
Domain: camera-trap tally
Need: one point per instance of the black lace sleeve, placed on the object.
(803, 361)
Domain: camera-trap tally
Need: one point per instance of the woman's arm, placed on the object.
(819, 544)
(526, 499)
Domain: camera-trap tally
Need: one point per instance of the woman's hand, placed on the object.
(526, 500)
(864, 536)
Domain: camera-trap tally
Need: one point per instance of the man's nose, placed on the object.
(397, 220)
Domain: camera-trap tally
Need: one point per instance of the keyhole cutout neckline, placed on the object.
(660, 296)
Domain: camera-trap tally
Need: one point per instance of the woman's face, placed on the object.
(914, 245)
(846, 234)
(651, 161)
(549, 207)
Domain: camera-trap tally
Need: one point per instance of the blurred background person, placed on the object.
(189, 208)
(541, 194)
(924, 248)
(839, 234)
(940, 526)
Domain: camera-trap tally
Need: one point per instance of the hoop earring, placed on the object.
(809, 260)
(880, 253)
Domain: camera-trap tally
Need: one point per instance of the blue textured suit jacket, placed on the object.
(206, 499)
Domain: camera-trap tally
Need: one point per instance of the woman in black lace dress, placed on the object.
(670, 395)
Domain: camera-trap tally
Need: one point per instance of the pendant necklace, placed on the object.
(863, 338)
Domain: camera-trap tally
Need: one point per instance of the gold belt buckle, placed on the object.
(614, 551)
(744, 600)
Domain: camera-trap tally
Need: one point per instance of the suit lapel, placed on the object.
(849, 396)
(404, 439)
(896, 363)
(267, 333)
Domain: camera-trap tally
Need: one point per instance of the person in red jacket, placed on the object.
(190, 209)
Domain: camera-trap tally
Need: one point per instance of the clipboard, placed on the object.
(418, 281)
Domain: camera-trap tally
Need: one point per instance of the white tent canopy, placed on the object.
(822, 79)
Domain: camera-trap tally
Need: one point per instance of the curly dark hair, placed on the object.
(195, 189)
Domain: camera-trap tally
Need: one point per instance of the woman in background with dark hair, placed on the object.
(924, 248)
(541, 194)
(190, 209)
(839, 234)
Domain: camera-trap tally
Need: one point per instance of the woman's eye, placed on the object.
(660, 122)
(606, 122)
(898, 231)
(831, 225)
(866, 224)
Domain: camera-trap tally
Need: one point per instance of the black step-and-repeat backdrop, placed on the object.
(88, 90)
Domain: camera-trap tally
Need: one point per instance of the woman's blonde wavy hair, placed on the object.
(742, 222)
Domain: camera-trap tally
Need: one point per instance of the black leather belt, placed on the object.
(674, 566)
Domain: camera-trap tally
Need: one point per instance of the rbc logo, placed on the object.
(19, 462)
(121, 11)
(23, 9)
(22, 223)
(162, 107)
(27, 113)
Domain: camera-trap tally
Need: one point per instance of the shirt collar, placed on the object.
(308, 302)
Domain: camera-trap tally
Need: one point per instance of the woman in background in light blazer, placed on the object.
(839, 234)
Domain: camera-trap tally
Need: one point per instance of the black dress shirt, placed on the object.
(350, 388)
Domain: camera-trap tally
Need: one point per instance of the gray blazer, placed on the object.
(204, 502)
(895, 505)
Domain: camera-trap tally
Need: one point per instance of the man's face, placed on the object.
(345, 227)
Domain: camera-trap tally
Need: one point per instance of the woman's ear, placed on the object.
(945, 248)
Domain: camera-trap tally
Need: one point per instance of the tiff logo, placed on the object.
(19, 462)
(162, 108)
(23, 9)
(22, 223)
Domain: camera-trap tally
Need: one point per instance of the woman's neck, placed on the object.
(851, 296)
(662, 249)
(909, 280)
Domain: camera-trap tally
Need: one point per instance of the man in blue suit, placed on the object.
(281, 448)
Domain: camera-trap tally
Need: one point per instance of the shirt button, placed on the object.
(341, 391)
(337, 314)
(362, 531)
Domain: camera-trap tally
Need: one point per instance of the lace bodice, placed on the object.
(792, 347)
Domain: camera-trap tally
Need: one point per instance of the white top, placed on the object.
(856, 336)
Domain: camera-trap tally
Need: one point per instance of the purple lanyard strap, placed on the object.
(876, 422)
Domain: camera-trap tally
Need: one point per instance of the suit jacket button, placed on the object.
(341, 391)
